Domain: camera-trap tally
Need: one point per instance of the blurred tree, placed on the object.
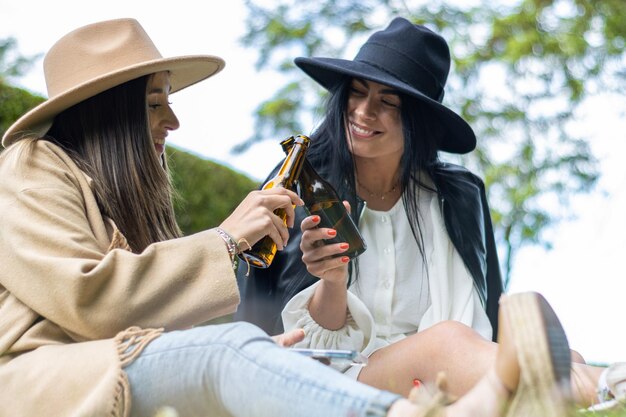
(13, 101)
(207, 191)
(520, 70)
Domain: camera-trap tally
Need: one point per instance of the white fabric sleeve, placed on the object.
(357, 334)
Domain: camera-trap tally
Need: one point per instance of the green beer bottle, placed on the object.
(320, 198)
(263, 252)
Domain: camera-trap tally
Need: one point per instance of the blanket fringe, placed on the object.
(132, 341)
(129, 343)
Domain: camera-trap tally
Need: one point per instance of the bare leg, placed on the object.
(585, 383)
(541, 346)
(577, 357)
(449, 346)
(463, 355)
(532, 363)
(490, 395)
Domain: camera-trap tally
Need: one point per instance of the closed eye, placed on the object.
(356, 92)
(157, 105)
(391, 103)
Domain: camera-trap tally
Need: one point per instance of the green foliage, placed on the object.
(208, 192)
(616, 412)
(520, 69)
(13, 103)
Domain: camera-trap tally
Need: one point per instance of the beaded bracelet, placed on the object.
(234, 248)
(231, 246)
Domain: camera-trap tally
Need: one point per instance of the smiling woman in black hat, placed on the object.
(431, 253)
(424, 295)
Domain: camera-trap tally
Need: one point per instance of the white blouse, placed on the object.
(394, 295)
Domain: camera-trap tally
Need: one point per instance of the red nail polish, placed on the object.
(344, 246)
(316, 219)
(345, 259)
(332, 232)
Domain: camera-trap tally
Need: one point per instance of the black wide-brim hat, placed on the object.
(407, 57)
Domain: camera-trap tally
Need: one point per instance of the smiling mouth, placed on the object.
(360, 131)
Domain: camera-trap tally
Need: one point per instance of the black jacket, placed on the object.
(265, 292)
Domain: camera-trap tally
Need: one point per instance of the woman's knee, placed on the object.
(235, 335)
(448, 330)
(450, 335)
(577, 357)
(241, 333)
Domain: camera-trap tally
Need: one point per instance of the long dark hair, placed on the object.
(329, 148)
(108, 137)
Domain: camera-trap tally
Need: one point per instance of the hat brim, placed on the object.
(458, 138)
(184, 72)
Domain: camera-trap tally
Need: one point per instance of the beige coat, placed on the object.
(75, 306)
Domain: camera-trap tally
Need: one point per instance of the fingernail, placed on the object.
(344, 246)
(332, 232)
(316, 219)
(345, 259)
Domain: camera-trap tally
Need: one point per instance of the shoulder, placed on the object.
(447, 168)
(36, 161)
(29, 152)
(445, 172)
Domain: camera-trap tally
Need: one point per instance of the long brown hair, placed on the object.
(108, 137)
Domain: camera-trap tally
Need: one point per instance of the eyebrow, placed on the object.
(387, 90)
(156, 91)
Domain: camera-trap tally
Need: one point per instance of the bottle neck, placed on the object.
(292, 166)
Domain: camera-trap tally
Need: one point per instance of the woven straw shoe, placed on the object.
(543, 354)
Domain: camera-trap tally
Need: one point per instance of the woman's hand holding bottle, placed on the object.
(254, 217)
(324, 260)
(328, 306)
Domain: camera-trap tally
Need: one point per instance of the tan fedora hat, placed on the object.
(96, 57)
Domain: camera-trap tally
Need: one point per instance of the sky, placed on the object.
(583, 276)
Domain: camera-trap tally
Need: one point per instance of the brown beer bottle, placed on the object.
(320, 198)
(262, 253)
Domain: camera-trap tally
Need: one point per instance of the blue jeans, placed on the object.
(236, 369)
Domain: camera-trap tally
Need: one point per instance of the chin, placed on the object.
(160, 149)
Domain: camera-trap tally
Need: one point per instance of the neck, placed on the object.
(378, 182)
(377, 175)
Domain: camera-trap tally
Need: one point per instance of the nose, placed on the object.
(171, 121)
(366, 109)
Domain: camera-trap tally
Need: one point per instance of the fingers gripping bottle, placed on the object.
(320, 198)
(262, 253)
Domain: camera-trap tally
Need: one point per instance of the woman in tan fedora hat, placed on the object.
(424, 295)
(102, 300)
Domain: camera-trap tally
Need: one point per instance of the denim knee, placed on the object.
(240, 334)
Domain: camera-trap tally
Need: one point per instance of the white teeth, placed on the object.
(360, 130)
